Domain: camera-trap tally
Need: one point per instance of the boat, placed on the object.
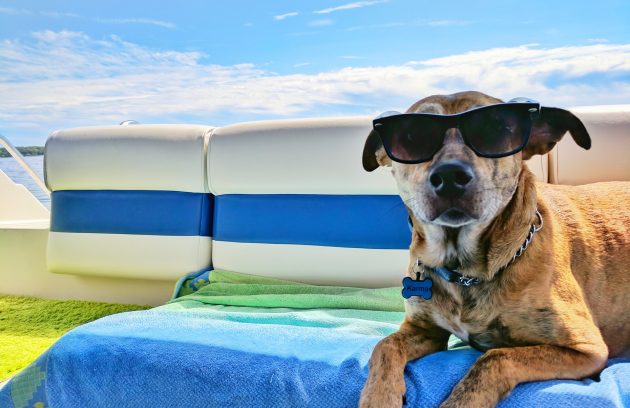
(258, 244)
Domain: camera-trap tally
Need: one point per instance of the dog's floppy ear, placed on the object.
(374, 154)
(549, 129)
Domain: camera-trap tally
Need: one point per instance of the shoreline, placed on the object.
(26, 151)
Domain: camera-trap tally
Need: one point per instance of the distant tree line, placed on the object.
(25, 150)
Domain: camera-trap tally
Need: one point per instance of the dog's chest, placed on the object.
(473, 321)
(453, 324)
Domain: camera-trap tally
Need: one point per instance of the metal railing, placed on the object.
(13, 151)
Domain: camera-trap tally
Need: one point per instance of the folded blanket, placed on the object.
(237, 289)
(220, 347)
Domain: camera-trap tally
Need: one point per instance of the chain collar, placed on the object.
(530, 236)
(463, 280)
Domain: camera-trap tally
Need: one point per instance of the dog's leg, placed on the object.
(385, 385)
(498, 371)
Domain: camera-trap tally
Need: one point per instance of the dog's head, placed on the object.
(457, 187)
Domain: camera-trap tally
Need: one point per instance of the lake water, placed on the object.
(13, 169)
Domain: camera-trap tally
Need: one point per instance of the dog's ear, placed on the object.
(374, 154)
(549, 129)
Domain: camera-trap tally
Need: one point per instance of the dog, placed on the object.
(534, 275)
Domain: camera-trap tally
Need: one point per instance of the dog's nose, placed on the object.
(450, 179)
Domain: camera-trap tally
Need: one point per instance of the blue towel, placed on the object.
(194, 354)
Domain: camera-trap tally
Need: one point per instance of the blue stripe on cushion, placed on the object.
(132, 212)
(351, 221)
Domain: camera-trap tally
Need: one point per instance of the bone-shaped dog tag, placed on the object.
(417, 287)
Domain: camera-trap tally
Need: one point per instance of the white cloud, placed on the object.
(148, 21)
(66, 79)
(303, 33)
(321, 22)
(445, 23)
(286, 15)
(58, 14)
(596, 40)
(376, 26)
(421, 23)
(12, 11)
(350, 6)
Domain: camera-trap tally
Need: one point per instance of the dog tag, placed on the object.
(417, 287)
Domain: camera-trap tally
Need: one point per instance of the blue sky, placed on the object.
(68, 63)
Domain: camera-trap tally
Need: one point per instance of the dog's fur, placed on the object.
(559, 311)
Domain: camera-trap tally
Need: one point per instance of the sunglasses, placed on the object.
(490, 131)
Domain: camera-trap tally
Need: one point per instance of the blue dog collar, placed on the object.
(450, 275)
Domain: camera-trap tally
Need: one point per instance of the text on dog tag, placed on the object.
(421, 288)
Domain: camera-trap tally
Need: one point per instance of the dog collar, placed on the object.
(463, 280)
(455, 277)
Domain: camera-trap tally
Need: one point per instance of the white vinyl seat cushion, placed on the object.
(133, 157)
(608, 159)
(129, 201)
(293, 201)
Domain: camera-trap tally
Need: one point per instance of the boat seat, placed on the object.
(129, 201)
(606, 160)
(292, 201)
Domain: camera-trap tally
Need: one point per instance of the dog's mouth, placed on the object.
(454, 218)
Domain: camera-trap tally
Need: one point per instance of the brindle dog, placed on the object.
(557, 312)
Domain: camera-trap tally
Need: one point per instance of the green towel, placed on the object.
(245, 298)
(237, 289)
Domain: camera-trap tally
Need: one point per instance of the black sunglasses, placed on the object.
(490, 131)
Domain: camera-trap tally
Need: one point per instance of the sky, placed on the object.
(67, 64)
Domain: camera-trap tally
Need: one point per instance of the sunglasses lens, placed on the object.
(411, 138)
(498, 130)
(492, 131)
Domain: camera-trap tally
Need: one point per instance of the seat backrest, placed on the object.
(129, 201)
(609, 157)
(292, 201)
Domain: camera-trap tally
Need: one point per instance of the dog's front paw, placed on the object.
(466, 396)
(453, 403)
(380, 397)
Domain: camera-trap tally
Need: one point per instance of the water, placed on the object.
(13, 169)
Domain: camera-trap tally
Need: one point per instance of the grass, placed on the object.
(28, 326)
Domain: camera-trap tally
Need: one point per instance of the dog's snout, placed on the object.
(450, 179)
